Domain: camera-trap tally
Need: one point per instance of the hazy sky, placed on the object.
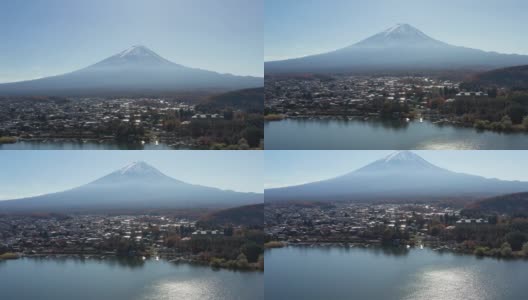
(28, 173)
(296, 28)
(285, 168)
(50, 37)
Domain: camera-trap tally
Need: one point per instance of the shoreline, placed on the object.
(183, 259)
(437, 247)
(442, 121)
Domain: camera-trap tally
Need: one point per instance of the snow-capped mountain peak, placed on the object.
(403, 29)
(400, 161)
(137, 50)
(136, 57)
(138, 167)
(135, 172)
(402, 156)
(400, 35)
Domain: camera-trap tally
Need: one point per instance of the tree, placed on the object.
(242, 144)
(506, 123)
(493, 219)
(506, 250)
(480, 251)
(492, 93)
(252, 251)
(261, 262)
(516, 240)
(525, 249)
(228, 115)
(525, 123)
(253, 135)
(242, 262)
(228, 231)
(516, 112)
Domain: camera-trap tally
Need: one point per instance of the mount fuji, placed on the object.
(399, 48)
(401, 176)
(134, 187)
(133, 71)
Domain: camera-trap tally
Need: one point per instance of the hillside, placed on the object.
(249, 215)
(504, 204)
(251, 100)
(137, 186)
(135, 71)
(401, 176)
(399, 48)
(513, 78)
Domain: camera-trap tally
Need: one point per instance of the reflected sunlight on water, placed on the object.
(453, 283)
(444, 145)
(186, 289)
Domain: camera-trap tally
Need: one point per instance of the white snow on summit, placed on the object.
(137, 50)
(400, 35)
(138, 167)
(402, 156)
(404, 29)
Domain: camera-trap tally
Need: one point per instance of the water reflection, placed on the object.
(331, 133)
(452, 283)
(120, 279)
(121, 262)
(185, 289)
(345, 249)
(75, 145)
(390, 274)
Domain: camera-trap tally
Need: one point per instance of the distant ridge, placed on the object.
(132, 71)
(137, 186)
(401, 176)
(512, 77)
(248, 215)
(399, 48)
(504, 204)
(251, 100)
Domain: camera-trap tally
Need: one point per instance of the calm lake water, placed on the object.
(340, 273)
(111, 279)
(80, 146)
(383, 135)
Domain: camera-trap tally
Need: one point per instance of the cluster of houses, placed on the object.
(86, 233)
(349, 95)
(347, 221)
(83, 117)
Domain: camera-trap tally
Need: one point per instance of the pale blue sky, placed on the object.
(48, 37)
(296, 28)
(28, 173)
(286, 168)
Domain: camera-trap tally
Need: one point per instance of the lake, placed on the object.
(113, 279)
(335, 134)
(356, 273)
(25, 145)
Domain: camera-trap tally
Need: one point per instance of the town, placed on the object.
(392, 225)
(141, 237)
(129, 122)
(354, 95)
(404, 98)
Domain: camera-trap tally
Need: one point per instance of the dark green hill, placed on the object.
(248, 215)
(506, 204)
(514, 78)
(250, 100)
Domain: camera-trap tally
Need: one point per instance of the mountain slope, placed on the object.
(135, 70)
(137, 186)
(399, 48)
(504, 204)
(513, 77)
(248, 215)
(251, 100)
(403, 176)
